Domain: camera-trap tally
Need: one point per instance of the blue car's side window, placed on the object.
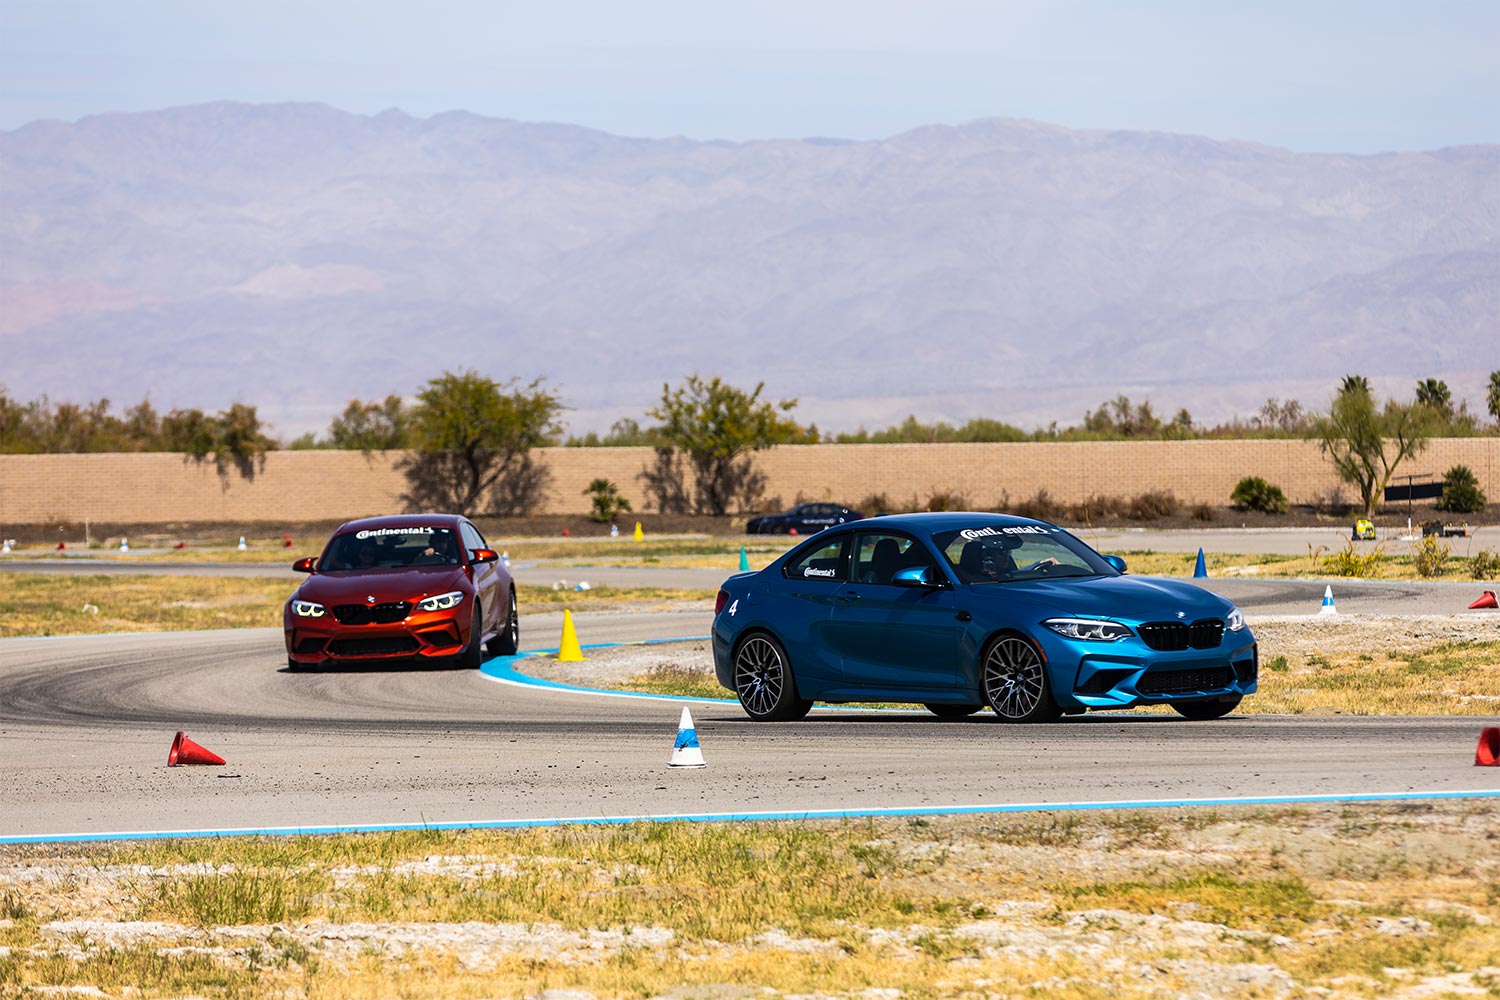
(827, 562)
(879, 556)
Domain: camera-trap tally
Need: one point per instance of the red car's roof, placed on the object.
(402, 521)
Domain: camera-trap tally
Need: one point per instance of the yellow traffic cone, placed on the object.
(569, 651)
(640, 535)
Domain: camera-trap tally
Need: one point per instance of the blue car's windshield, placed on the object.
(1007, 553)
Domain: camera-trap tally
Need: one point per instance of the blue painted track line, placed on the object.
(889, 812)
(504, 669)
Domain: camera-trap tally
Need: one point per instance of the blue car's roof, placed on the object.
(932, 523)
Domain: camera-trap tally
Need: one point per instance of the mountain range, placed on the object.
(294, 256)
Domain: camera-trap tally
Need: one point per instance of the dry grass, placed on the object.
(34, 604)
(1382, 564)
(48, 604)
(1342, 901)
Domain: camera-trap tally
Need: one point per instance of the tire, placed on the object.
(473, 655)
(1202, 711)
(1014, 680)
(294, 666)
(508, 639)
(953, 711)
(763, 681)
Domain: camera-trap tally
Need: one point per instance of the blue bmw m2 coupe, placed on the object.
(960, 611)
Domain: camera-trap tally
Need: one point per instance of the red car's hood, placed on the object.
(357, 586)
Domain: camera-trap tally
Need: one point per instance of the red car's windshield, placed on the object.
(391, 548)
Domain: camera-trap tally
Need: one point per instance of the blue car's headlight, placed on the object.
(1235, 620)
(440, 602)
(308, 609)
(1089, 629)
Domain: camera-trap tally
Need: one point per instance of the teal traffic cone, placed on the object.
(1200, 571)
(744, 561)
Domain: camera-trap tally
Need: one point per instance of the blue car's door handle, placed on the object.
(848, 597)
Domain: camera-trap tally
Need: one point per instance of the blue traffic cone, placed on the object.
(685, 751)
(1200, 571)
(1328, 608)
(744, 561)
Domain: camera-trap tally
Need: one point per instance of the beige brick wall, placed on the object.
(329, 485)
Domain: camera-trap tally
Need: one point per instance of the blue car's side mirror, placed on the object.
(914, 576)
(1116, 562)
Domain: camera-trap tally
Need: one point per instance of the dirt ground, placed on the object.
(553, 525)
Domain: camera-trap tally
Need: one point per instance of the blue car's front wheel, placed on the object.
(1015, 681)
(763, 681)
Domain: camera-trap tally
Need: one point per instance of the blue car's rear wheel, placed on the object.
(763, 681)
(1015, 681)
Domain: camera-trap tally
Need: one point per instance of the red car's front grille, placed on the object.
(371, 614)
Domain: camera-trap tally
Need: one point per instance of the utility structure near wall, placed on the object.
(146, 487)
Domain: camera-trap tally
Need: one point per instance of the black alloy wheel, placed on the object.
(1015, 681)
(473, 655)
(1202, 711)
(763, 681)
(508, 639)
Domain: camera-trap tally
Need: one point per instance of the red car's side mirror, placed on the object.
(304, 565)
(483, 555)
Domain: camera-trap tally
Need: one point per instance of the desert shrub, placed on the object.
(1429, 555)
(1254, 493)
(1203, 512)
(946, 500)
(1484, 565)
(875, 504)
(1349, 561)
(1461, 492)
(1039, 505)
(1097, 506)
(1152, 505)
(606, 499)
(767, 505)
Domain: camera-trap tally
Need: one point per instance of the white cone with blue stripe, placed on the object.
(1328, 608)
(686, 752)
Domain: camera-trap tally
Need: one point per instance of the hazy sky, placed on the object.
(1346, 76)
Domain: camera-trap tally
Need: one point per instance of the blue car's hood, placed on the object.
(1135, 598)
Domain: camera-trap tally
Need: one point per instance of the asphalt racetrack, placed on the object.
(85, 725)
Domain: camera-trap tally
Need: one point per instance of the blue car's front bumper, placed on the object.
(1124, 674)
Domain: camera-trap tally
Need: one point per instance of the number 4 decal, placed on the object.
(733, 607)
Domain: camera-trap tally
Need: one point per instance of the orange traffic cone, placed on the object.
(185, 751)
(1487, 601)
(1488, 752)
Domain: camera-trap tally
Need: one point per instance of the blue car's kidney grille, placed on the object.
(371, 614)
(1182, 681)
(1170, 637)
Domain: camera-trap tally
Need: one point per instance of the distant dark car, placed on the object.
(421, 586)
(803, 519)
